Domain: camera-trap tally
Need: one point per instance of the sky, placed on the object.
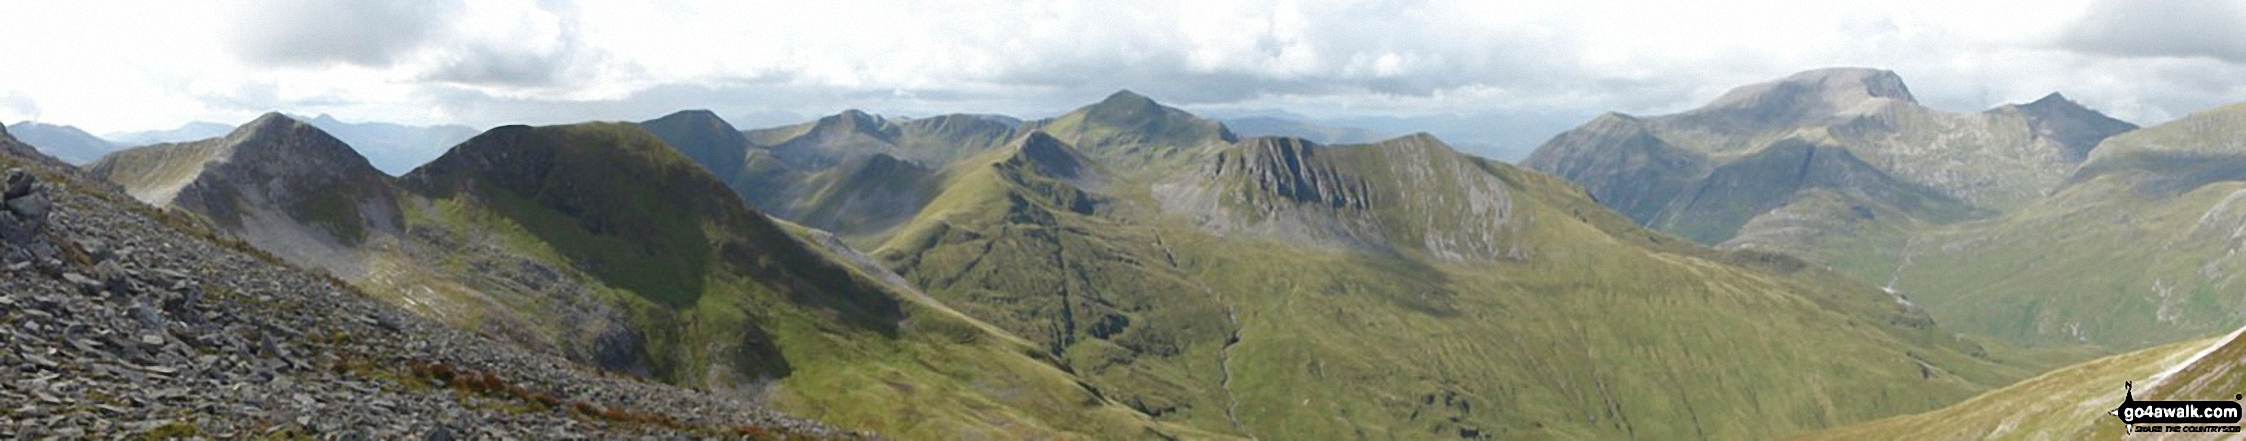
(1497, 76)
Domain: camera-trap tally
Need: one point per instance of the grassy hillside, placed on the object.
(1237, 294)
(1010, 242)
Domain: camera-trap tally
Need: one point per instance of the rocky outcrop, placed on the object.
(23, 223)
(1411, 193)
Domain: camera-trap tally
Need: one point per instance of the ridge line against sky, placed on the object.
(1491, 74)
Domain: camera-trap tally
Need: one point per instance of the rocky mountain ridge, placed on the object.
(253, 183)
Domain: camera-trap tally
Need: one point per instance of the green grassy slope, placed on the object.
(1016, 244)
(1598, 332)
(1240, 313)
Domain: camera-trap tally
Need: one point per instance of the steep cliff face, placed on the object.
(1412, 192)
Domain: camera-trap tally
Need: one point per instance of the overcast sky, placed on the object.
(1534, 67)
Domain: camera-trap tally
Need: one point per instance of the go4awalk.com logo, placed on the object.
(2176, 416)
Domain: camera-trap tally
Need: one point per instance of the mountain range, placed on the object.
(2010, 223)
(393, 148)
(191, 131)
(1115, 235)
(1819, 256)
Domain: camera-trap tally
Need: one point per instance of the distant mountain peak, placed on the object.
(1877, 83)
(1811, 95)
(1126, 95)
(1126, 101)
(272, 129)
(2076, 128)
(696, 118)
(852, 120)
(2053, 103)
(694, 113)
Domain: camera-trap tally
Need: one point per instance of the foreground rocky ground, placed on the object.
(118, 320)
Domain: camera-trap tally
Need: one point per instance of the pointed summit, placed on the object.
(2053, 99)
(269, 120)
(1126, 99)
(854, 121)
(2077, 129)
(1127, 131)
(280, 183)
(697, 115)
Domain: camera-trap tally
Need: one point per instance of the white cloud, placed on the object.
(117, 65)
